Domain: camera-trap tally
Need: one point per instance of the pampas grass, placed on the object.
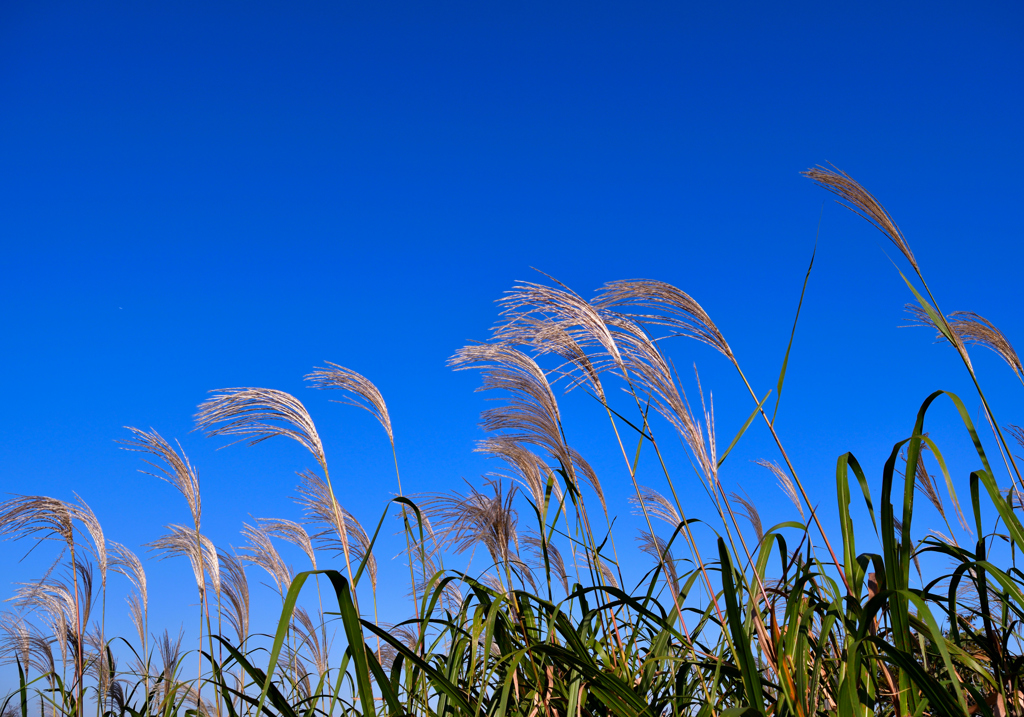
(520, 604)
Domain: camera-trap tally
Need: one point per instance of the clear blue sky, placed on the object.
(201, 195)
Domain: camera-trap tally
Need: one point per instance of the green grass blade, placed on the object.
(743, 430)
(753, 689)
(792, 334)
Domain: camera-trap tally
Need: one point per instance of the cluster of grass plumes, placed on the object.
(776, 620)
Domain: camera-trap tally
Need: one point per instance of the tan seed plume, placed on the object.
(749, 511)
(261, 551)
(174, 466)
(290, 531)
(975, 329)
(659, 549)
(367, 396)
(182, 541)
(657, 506)
(862, 202)
(259, 414)
(785, 482)
(661, 304)
(235, 589)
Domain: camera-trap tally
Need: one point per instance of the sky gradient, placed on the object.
(204, 195)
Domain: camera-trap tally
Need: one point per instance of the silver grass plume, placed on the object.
(660, 304)
(343, 531)
(407, 635)
(200, 707)
(37, 516)
(137, 612)
(291, 532)
(898, 525)
(535, 546)
(522, 570)
(361, 546)
(118, 697)
(169, 650)
(602, 568)
(528, 468)
(494, 583)
(785, 482)
(559, 321)
(259, 414)
(1018, 434)
(84, 514)
(657, 506)
(99, 661)
(925, 483)
(261, 552)
(975, 329)
(182, 541)
(579, 368)
(235, 590)
(21, 640)
(55, 598)
(464, 521)
(942, 537)
(429, 573)
(749, 511)
(15, 643)
(125, 562)
(56, 612)
(659, 549)
(968, 327)
(531, 414)
(652, 372)
(920, 317)
(309, 638)
(367, 396)
(860, 201)
(25, 640)
(174, 466)
(84, 571)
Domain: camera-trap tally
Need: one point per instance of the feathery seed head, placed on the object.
(259, 413)
(749, 511)
(187, 542)
(465, 520)
(235, 587)
(36, 515)
(558, 320)
(860, 201)
(660, 304)
(531, 415)
(261, 551)
(84, 513)
(367, 396)
(659, 549)
(290, 531)
(125, 562)
(785, 482)
(174, 466)
(975, 329)
(537, 546)
(656, 505)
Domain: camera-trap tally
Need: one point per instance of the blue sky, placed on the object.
(201, 195)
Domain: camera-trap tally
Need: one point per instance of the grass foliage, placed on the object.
(787, 620)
